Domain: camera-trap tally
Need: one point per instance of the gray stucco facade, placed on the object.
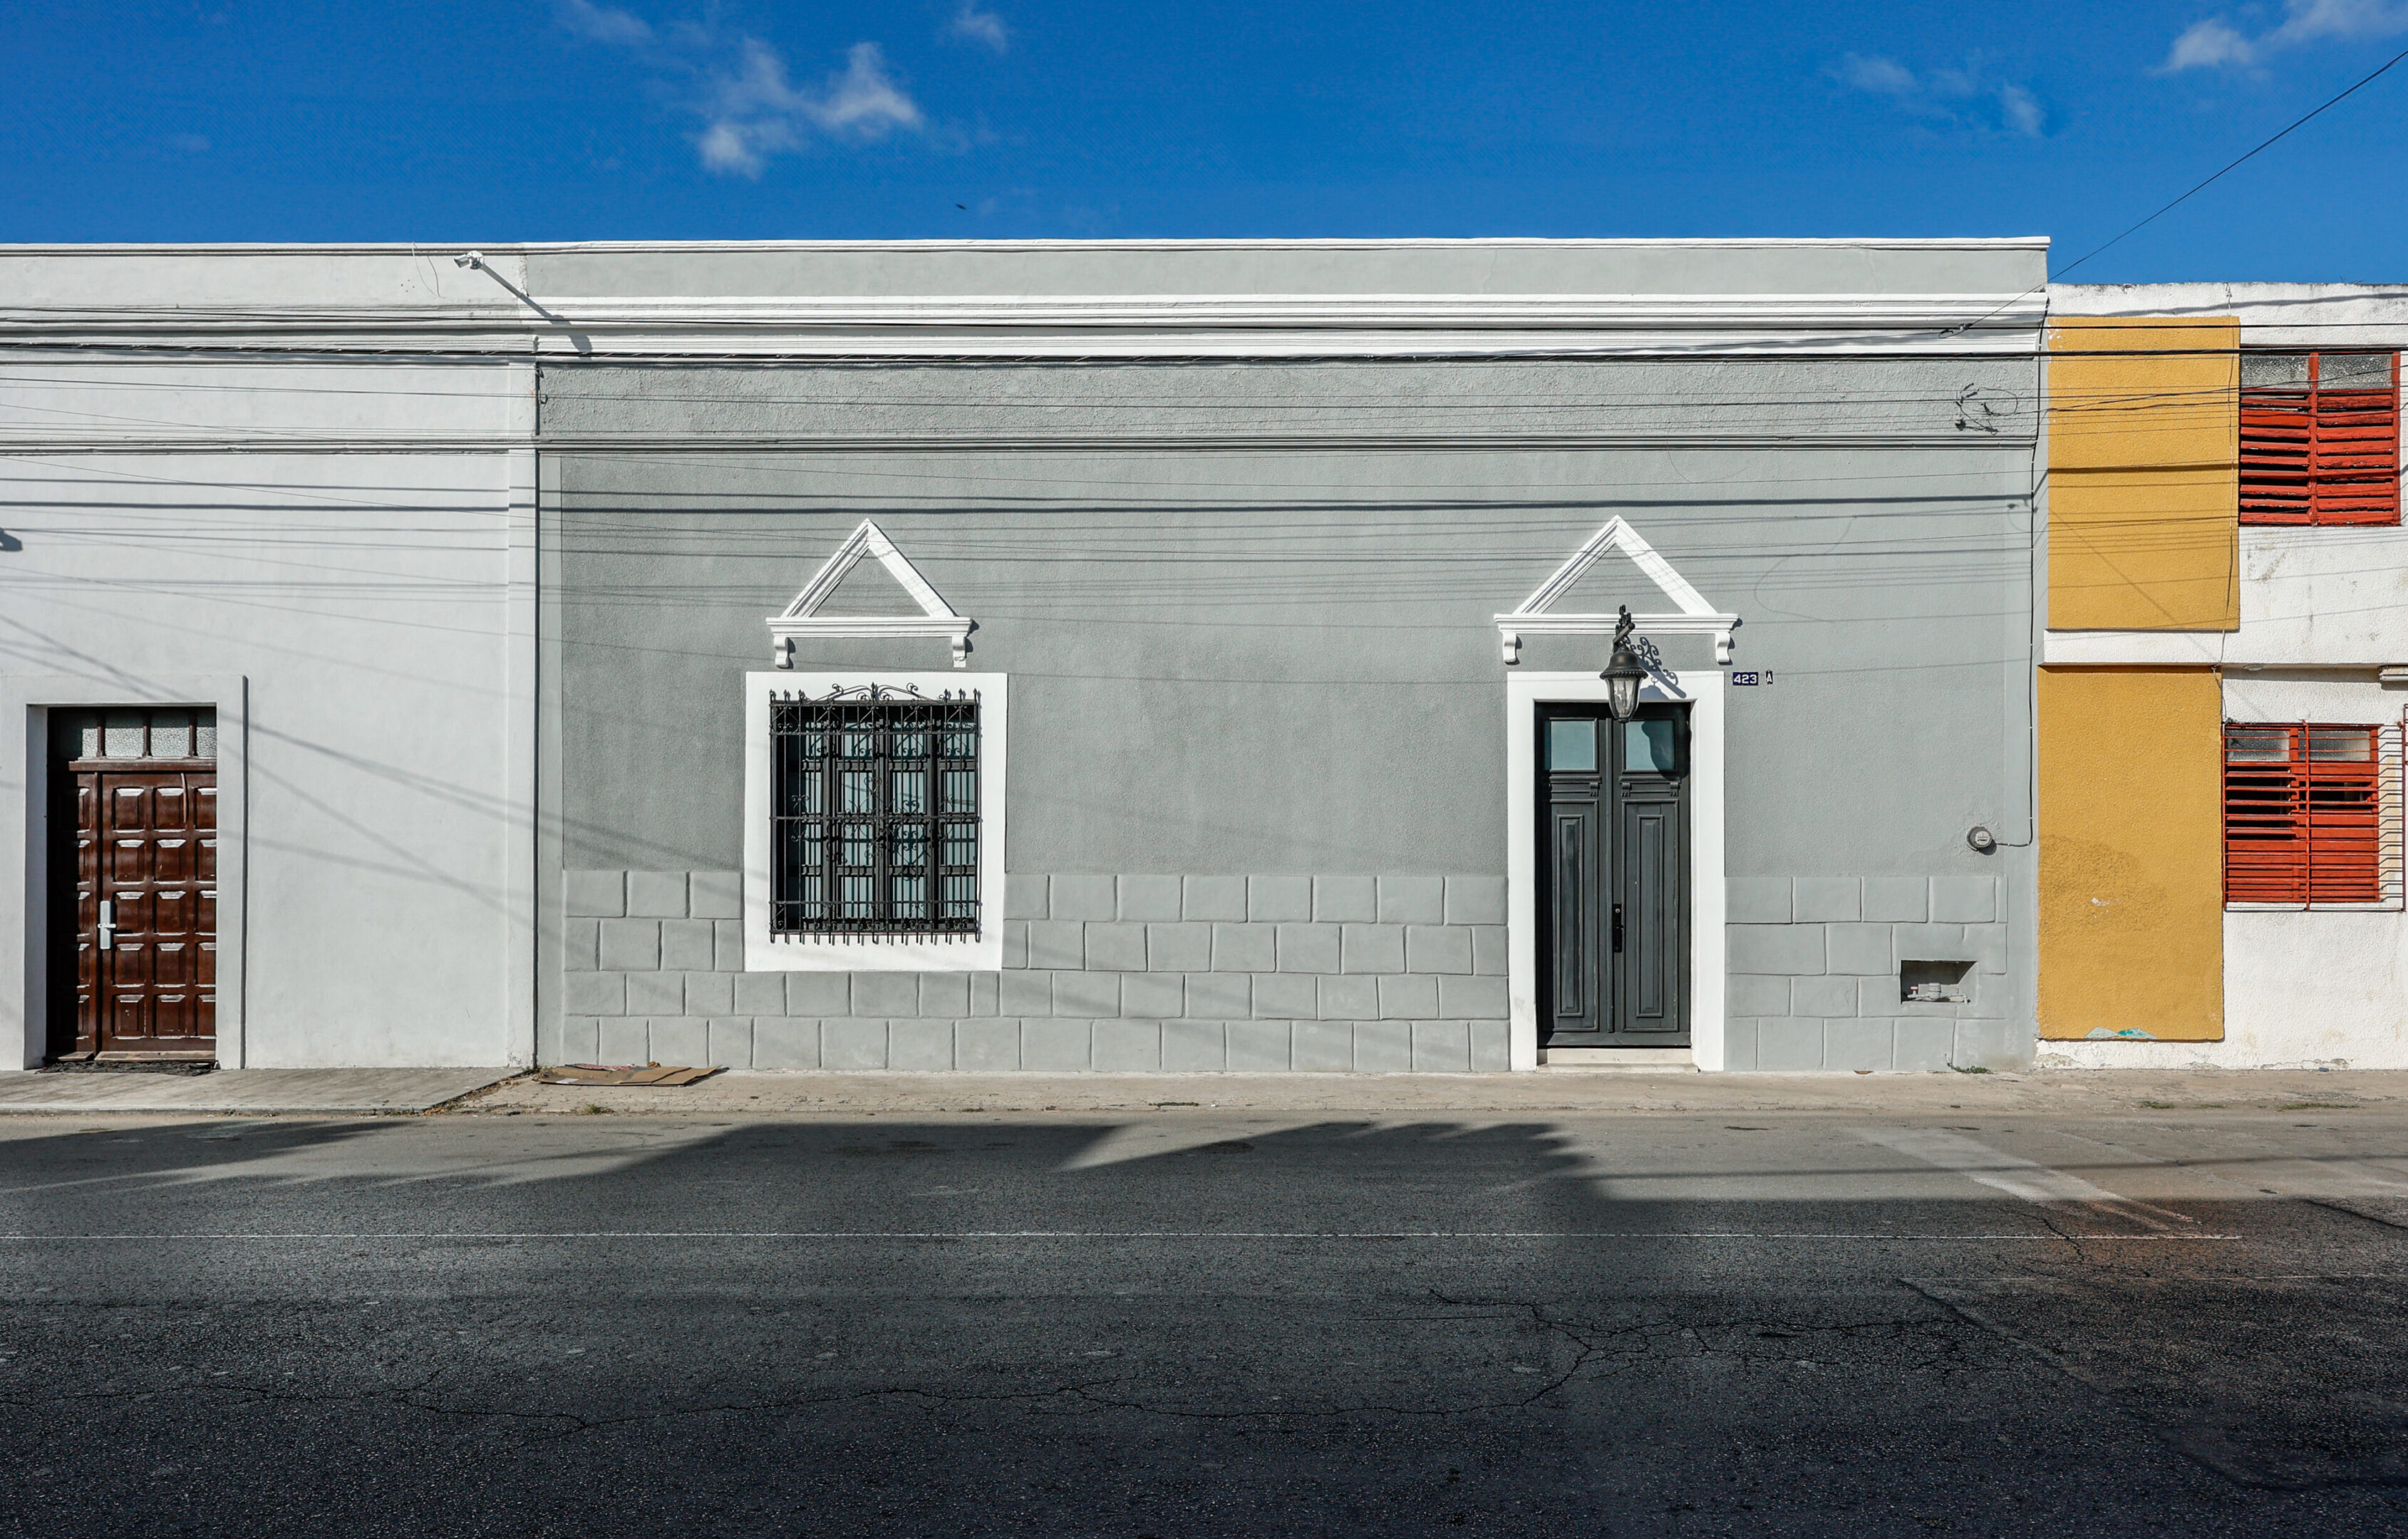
(474, 556)
(1241, 572)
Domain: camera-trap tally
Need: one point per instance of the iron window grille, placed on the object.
(875, 806)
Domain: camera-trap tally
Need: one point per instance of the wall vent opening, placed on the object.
(1936, 982)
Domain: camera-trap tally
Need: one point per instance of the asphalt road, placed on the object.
(1190, 1323)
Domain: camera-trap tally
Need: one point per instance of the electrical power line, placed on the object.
(2294, 127)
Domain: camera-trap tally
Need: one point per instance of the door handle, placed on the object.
(1617, 929)
(108, 925)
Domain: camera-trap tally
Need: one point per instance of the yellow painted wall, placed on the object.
(2144, 480)
(2132, 852)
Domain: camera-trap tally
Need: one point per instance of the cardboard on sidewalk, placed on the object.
(625, 1074)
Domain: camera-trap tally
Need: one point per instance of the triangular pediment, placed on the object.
(930, 617)
(1691, 614)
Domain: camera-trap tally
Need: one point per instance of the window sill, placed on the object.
(2391, 905)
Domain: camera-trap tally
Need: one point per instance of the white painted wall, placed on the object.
(363, 598)
(174, 519)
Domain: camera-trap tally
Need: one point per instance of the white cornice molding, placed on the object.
(1209, 243)
(1647, 311)
(339, 442)
(1077, 326)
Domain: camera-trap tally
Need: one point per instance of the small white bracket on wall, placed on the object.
(803, 619)
(1696, 618)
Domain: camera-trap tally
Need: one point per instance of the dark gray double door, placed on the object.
(1613, 877)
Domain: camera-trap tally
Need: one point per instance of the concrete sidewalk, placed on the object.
(791, 1093)
(808, 1092)
(323, 1091)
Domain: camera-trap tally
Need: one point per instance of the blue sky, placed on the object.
(502, 119)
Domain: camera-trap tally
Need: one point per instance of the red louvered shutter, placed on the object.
(2265, 824)
(2302, 813)
(2342, 788)
(2325, 451)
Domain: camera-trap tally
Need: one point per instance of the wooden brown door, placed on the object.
(145, 869)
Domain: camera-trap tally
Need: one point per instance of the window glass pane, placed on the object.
(910, 790)
(961, 843)
(961, 897)
(856, 896)
(1571, 745)
(2274, 370)
(2258, 745)
(2353, 371)
(171, 734)
(2341, 745)
(910, 845)
(122, 735)
(1648, 745)
(860, 745)
(961, 791)
(806, 795)
(911, 745)
(858, 792)
(959, 744)
(910, 897)
(859, 846)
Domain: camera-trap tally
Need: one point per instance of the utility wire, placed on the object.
(2293, 127)
(2296, 125)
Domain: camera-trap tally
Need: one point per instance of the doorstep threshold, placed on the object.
(1617, 1059)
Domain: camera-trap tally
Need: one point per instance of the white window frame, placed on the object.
(1702, 691)
(768, 953)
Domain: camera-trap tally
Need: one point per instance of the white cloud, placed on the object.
(2215, 43)
(982, 26)
(2310, 19)
(751, 109)
(863, 100)
(756, 112)
(1962, 97)
(2023, 113)
(602, 23)
(1885, 76)
(2206, 44)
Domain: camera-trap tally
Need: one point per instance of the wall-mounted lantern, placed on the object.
(1624, 673)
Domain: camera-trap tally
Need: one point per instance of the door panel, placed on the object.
(129, 859)
(1653, 901)
(174, 860)
(1576, 987)
(1579, 974)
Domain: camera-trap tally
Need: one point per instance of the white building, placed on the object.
(271, 494)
